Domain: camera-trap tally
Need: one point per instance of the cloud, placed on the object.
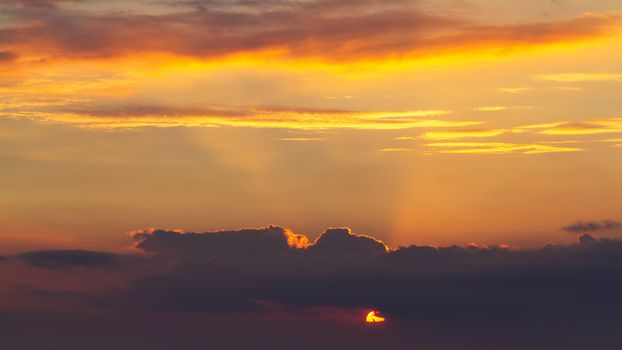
(339, 241)
(514, 90)
(130, 117)
(301, 139)
(588, 127)
(63, 259)
(395, 149)
(498, 148)
(593, 226)
(579, 77)
(328, 30)
(459, 134)
(48, 293)
(404, 138)
(500, 108)
(256, 267)
(240, 244)
(7, 56)
(271, 271)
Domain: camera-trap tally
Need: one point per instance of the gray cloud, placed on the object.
(7, 56)
(62, 259)
(551, 291)
(341, 241)
(333, 30)
(593, 226)
(225, 272)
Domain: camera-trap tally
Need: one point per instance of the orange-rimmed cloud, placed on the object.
(329, 30)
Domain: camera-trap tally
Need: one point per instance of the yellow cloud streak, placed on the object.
(579, 77)
(254, 118)
(301, 139)
(459, 134)
(395, 150)
(498, 148)
(500, 108)
(590, 127)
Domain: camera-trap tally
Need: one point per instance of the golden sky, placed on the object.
(433, 122)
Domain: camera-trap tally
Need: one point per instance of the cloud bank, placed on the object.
(244, 269)
(328, 29)
(273, 271)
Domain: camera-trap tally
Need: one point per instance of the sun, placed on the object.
(373, 317)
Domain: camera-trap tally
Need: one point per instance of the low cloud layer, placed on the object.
(272, 270)
(60, 259)
(242, 270)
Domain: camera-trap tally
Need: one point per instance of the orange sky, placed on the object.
(417, 122)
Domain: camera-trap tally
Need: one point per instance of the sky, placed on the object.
(414, 121)
(148, 144)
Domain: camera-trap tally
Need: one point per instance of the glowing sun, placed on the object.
(373, 317)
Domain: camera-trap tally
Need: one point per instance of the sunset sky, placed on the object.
(492, 124)
(430, 122)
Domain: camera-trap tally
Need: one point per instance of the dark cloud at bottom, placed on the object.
(283, 292)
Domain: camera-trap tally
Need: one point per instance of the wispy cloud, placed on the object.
(540, 126)
(460, 134)
(301, 139)
(497, 148)
(500, 108)
(593, 226)
(395, 150)
(514, 90)
(579, 77)
(589, 127)
(128, 117)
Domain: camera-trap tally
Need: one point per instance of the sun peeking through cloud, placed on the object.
(374, 317)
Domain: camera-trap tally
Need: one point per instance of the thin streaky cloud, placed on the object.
(588, 127)
(497, 148)
(516, 90)
(460, 134)
(579, 77)
(301, 139)
(395, 150)
(500, 108)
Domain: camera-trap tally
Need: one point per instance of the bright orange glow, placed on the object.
(372, 317)
(296, 241)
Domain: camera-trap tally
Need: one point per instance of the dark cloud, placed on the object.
(271, 240)
(138, 111)
(559, 297)
(341, 241)
(592, 226)
(227, 272)
(7, 56)
(62, 259)
(51, 294)
(333, 30)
